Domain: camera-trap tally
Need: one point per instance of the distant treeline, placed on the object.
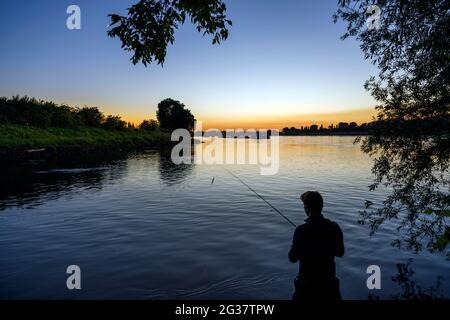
(341, 128)
(43, 114)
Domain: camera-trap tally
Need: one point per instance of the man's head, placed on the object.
(313, 202)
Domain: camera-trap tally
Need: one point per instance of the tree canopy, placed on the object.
(150, 25)
(411, 139)
(150, 125)
(39, 113)
(172, 115)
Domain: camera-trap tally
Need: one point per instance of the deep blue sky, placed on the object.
(283, 60)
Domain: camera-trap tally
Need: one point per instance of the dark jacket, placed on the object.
(315, 244)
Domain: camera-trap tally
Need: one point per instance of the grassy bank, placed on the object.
(16, 141)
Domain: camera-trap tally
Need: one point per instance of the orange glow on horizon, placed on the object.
(276, 122)
(279, 122)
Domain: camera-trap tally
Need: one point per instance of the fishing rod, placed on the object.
(261, 197)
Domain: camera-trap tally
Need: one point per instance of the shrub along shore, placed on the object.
(31, 129)
(31, 143)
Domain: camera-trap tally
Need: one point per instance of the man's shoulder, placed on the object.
(300, 228)
(308, 225)
(332, 224)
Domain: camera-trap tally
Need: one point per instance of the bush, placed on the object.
(24, 111)
(172, 115)
(150, 125)
(91, 116)
(114, 123)
(43, 114)
(31, 112)
(65, 117)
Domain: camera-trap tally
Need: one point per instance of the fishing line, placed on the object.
(261, 197)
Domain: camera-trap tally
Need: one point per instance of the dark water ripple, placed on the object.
(144, 228)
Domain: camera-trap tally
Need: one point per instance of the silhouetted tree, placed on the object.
(149, 125)
(31, 112)
(114, 123)
(64, 116)
(411, 139)
(150, 25)
(172, 115)
(91, 116)
(25, 111)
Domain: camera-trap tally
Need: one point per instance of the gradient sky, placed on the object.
(283, 64)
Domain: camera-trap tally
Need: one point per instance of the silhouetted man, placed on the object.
(315, 245)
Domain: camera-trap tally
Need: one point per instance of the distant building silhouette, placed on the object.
(342, 128)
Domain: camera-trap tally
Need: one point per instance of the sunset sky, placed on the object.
(283, 65)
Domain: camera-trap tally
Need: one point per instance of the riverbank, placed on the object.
(350, 133)
(21, 143)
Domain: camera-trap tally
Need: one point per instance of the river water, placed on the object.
(140, 227)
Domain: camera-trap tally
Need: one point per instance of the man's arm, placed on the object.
(339, 242)
(294, 255)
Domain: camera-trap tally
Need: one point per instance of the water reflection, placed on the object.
(410, 289)
(142, 227)
(171, 173)
(32, 185)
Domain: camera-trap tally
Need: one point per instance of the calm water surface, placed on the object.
(142, 227)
